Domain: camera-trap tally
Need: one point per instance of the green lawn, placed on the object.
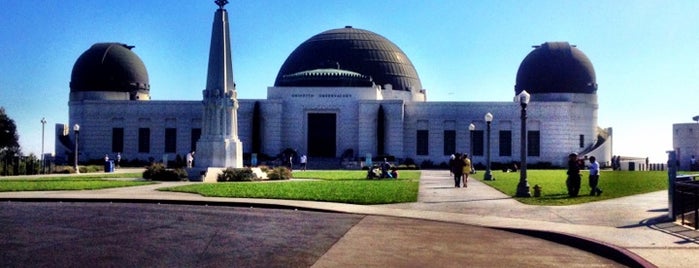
(83, 182)
(554, 192)
(330, 186)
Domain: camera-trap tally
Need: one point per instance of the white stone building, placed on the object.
(685, 142)
(343, 92)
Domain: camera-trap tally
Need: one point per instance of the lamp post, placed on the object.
(488, 176)
(43, 164)
(523, 185)
(76, 130)
(471, 128)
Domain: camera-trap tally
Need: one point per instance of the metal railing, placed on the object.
(686, 200)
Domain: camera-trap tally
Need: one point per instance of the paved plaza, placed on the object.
(448, 227)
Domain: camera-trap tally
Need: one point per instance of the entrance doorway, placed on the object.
(321, 134)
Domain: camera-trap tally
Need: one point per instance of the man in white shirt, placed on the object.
(594, 177)
(303, 162)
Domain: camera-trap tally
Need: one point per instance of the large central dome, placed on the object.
(355, 50)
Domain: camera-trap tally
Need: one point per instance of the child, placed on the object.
(394, 173)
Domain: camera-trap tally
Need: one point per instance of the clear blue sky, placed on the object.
(644, 52)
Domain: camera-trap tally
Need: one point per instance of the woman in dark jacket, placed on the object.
(573, 181)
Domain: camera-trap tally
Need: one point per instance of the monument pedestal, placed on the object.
(219, 153)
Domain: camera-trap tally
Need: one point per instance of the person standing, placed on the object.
(594, 177)
(303, 162)
(573, 181)
(466, 169)
(190, 159)
(118, 160)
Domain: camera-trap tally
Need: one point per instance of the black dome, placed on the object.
(556, 67)
(354, 50)
(109, 67)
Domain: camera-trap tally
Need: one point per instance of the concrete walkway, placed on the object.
(633, 226)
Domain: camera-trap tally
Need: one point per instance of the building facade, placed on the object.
(345, 92)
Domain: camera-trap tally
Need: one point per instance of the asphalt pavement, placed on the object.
(448, 227)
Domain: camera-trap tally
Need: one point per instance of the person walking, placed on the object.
(594, 177)
(466, 169)
(458, 170)
(573, 181)
(452, 159)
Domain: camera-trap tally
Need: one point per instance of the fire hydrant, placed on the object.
(537, 191)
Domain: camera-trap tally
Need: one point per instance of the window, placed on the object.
(117, 140)
(170, 140)
(144, 140)
(582, 141)
(196, 134)
(533, 143)
(449, 142)
(477, 142)
(505, 143)
(422, 142)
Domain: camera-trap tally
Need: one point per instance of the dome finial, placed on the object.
(221, 3)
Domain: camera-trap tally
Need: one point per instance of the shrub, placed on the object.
(409, 161)
(407, 167)
(264, 168)
(63, 170)
(158, 172)
(279, 173)
(427, 164)
(237, 174)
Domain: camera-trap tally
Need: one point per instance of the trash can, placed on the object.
(109, 166)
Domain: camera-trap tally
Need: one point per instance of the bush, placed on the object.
(409, 161)
(237, 174)
(264, 168)
(407, 167)
(158, 172)
(279, 173)
(427, 164)
(63, 170)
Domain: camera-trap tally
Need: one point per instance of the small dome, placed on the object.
(556, 67)
(109, 67)
(350, 49)
(325, 78)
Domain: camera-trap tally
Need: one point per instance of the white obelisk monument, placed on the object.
(219, 146)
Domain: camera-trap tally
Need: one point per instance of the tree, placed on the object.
(8, 132)
(9, 143)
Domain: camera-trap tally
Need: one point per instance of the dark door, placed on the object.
(321, 135)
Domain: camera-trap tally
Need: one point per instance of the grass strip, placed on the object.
(64, 183)
(328, 186)
(614, 184)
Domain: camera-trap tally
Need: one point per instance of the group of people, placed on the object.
(118, 159)
(574, 178)
(383, 171)
(289, 162)
(460, 166)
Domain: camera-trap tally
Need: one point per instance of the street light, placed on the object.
(76, 129)
(43, 164)
(471, 128)
(488, 176)
(523, 185)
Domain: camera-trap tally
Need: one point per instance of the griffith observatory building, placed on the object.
(343, 93)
